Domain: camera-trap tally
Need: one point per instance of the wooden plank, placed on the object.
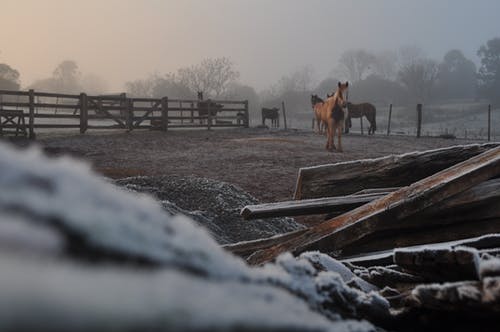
(351, 226)
(461, 208)
(55, 126)
(425, 234)
(56, 95)
(308, 206)
(14, 93)
(340, 204)
(377, 191)
(55, 116)
(386, 257)
(390, 171)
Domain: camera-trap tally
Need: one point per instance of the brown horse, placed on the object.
(359, 110)
(332, 114)
(317, 103)
(273, 114)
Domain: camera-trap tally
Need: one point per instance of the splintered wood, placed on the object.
(381, 213)
(390, 171)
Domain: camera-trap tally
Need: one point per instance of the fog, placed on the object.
(126, 40)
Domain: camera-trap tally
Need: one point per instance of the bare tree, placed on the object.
(65, 79)
(93, 84)
(419, 77)
(409, 54)
(9, 77)
(67, 76)
(141, 88)
(385, 65)
(300, 80)
(211, 76)
(355, 64)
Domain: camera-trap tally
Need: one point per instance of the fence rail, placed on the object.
(54, 110)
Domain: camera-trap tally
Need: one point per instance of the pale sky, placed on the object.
(266, 39)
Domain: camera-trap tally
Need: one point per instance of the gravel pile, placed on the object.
(215, 205)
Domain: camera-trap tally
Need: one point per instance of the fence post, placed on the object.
(209, 115)
(247, 115)
(164, 113)
(31, 121)
(489, 123)
(129, 104)
(389, 121)
(84, 111)
(419, 119)
(284, 114)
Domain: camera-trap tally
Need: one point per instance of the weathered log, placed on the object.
(438, 265)
(420, 235)
(350, 227)
(308, 206)
(471, 213)
(484, 244)
(390, 171)
(477, 195)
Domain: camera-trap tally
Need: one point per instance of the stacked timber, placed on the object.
(385, 203)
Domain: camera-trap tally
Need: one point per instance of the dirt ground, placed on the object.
(262, 162)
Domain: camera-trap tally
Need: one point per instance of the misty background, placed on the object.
(443, 53)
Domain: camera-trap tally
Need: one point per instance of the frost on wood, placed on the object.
(441, 264)
(74, 220)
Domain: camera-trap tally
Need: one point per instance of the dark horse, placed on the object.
(316, 103)
(204, 106)
(272, 114)
(360, 110)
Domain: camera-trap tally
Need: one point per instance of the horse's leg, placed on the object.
(333, 125)
(339, 129)
(329, 136)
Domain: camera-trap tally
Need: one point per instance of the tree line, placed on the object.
(405, 76)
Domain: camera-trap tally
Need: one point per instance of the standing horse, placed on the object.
(316, 103)
(206, 106)
(359, 110)
(332, 114)
(272, 114)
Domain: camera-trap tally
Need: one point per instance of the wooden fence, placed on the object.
(84, 112)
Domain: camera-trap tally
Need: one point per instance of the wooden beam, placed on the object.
(351, 226)
(483, 243)
(342, 204)
(308, 206)
(477, 203)
(426, 234)
(391, 171)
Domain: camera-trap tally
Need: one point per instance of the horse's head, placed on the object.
(343, 86)
(315, 100)
(341, 91)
